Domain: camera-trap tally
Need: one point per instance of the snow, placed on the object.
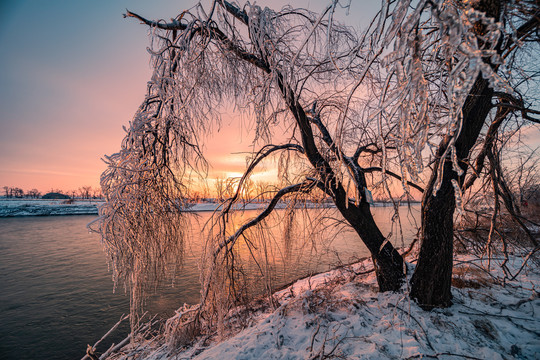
(340, 315)
(41, 207)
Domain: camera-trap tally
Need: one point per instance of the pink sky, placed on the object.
(73, 73)
(71, 80)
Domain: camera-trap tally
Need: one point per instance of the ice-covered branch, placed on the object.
(174, 25)
(302, 187)
(213, 30)
(392, 174)
(262, 154)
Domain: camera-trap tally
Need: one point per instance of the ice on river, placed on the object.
(42, 207)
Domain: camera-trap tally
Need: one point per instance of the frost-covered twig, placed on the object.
(114, 327)
(428, 341)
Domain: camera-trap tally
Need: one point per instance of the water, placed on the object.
(56, 294)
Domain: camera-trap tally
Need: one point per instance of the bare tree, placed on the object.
(18, 192)
(283, 69)
(404, 101)
(34, 193)
(474, 111)
(85, 191)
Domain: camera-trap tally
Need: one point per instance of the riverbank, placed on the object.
(339, 314)
(47, 207)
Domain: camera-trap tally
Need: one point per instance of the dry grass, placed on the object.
(466, 276)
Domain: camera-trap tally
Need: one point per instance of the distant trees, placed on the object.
(414, 103)
(34, 194)
(85, 192)
(13, 192)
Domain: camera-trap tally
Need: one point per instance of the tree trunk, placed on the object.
(431, 281)
(387, 261)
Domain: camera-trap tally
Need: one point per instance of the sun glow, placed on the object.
(233, 174)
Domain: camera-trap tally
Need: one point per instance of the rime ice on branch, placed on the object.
(360, 111)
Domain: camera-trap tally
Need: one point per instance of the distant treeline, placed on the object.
(84, 192)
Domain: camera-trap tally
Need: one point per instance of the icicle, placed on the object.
(455, 163)
(458, 196)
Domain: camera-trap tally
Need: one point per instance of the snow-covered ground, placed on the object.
(340, 315)
(42, 207)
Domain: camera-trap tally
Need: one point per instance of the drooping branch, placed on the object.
(303, 187)
(503, 191)
(312, 152)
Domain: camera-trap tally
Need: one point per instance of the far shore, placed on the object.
(16, 207)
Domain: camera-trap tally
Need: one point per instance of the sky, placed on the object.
(72, 73)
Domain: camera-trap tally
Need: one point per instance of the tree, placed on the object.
(85, 191)
(361, 111)
(18, 192)
(275, 66)
(431, 282)
(34, 193)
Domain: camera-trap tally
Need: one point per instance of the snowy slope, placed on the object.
(339, 315)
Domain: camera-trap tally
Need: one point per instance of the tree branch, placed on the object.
(174, 25)
(394, 175)
(218, 34)
(501, 188)
(327, 138)
(310, 148)
(523, 32)
(264, 152)
(234, 11)
(488, 144)
(524, 111)
(303, 187)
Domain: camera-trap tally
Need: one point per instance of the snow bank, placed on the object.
(340, 315)
(12, 208)
(42, 207)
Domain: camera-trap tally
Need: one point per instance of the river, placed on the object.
(57, 294)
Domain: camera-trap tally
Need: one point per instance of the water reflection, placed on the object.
(291, 244)
(57, 292)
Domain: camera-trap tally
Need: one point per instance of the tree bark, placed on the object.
(387, 261)
(431, 281)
